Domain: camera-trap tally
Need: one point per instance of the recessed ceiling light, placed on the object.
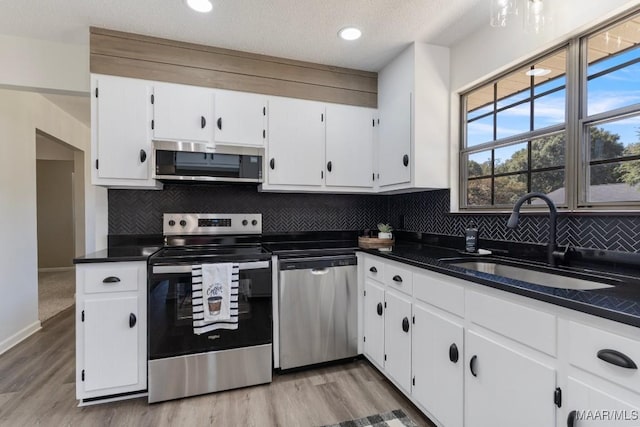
(350, 33)
(537, 72)
(202, 6)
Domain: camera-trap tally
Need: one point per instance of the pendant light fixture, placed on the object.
(501, 10)
(534, 16)
(535, 13)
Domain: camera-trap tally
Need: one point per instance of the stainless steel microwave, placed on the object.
(180, 161)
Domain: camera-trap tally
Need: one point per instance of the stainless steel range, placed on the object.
(181, 361)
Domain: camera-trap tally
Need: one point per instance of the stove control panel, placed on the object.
(211, 224)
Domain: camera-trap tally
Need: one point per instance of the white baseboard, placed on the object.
(54, 269)
(19, 336)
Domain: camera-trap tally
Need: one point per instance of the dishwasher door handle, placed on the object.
(319, 271)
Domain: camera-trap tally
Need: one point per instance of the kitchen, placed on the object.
(130, 211)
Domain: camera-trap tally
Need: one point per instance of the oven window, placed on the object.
(171, 320)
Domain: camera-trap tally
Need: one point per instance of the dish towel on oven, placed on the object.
(214, 297)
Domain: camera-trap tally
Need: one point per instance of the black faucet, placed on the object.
(553, 220)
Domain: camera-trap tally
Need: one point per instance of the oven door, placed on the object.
(171, 314)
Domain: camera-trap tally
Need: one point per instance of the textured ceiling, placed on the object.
(297, 29)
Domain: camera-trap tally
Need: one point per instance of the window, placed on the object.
(515, 136)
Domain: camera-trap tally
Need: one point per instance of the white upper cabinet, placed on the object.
(413, 103)
(349, 146)
(183, 113)
(295, 155)
(121, 132)
(240, 118)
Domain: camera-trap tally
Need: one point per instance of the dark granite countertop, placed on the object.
(620, 303)
(118, 254)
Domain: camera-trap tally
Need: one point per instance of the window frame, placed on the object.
(576, 127)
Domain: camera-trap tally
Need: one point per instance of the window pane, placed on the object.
(548, 151)
(512, 158)
(520, 96)
(613, 90)
(615, 182)
(614, 139)
(479, 164)
(480, 131)
(479, 192)
(549, 85)
(550, 183)
(514, 121)
(480, 98)
(509, 188)
(550, 109)
(479, 112)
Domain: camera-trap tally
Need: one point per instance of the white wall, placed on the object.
(41, 65)
(21, 113)
(490, 51)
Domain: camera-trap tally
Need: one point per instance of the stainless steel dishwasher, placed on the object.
(318, 310)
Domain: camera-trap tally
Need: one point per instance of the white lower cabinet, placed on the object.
(438, 365)
(503, 386)
(374, 322)
(111, 329)
(397, 338)
(589, 406)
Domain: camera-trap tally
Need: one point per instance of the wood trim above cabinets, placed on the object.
(151, 58)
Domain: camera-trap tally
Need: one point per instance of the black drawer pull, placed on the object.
(329, 166)
(373, 270)
(132, 320)
(453, 353)
(571, 419)
(616, 358)
(143, 156)
(220, 123)
(203, 122)
(472, 365)
(405, 160)
(379, 309)
(397, 278)
(405, 324)
(272, 164)
(111, 279)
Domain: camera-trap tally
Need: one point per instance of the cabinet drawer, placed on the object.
(585, 344)
(102, 278)
(374, 268)
(526, 325)
(438, 290)
(398, 277)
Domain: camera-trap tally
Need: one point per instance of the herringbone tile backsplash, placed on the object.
(140, 212)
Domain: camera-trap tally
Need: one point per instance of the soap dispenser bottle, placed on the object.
(471, 238)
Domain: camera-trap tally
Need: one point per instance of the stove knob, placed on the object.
(254, 222)
(245, 222)
(183, 223)
(172, 223)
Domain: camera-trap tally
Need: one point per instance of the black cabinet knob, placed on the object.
(397, 279)
(254, 222)
(272, 164)
(405, 324)
(219, 123)
(379, 309)
(373, 270)
(111, 280)
(171, 223)
(472, 365)
(132, 320)
(329, 166)
(245, 222)
(405, 160)
(453, 353)
(616, 358)
(203, 122)
(143, 156)
(183, 223)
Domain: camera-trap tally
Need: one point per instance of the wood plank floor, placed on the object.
(37, 387)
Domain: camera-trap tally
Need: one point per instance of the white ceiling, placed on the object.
(304, 30)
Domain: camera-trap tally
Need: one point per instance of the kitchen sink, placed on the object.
(538, 275)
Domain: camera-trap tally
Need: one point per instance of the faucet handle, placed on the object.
(563, 256)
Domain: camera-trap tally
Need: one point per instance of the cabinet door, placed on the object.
(374, 323)
(394, 133)
(438, 365)
(296, 142)
(589, 407)
(110, 342)
(183, 113)
(240, 118)
(349, 146)
(504, 387)
(122, 117)
(397, 338)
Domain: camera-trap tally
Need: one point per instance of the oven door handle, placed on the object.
(182, 269)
